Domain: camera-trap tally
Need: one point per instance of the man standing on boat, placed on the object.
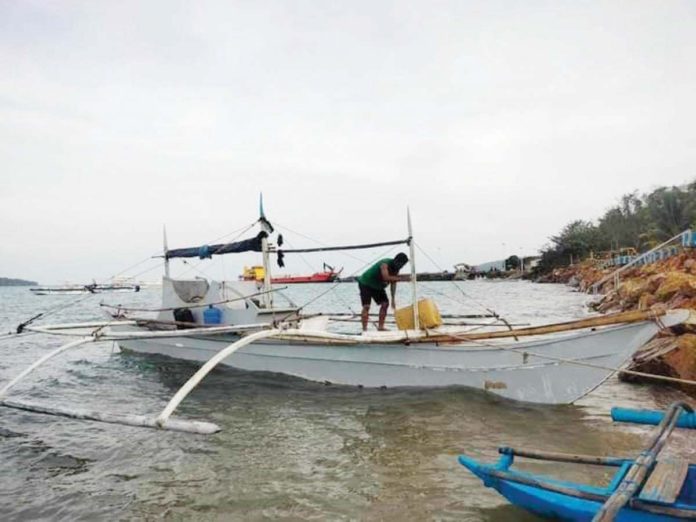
(372, 283)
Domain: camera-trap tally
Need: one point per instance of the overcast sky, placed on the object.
(497, 122)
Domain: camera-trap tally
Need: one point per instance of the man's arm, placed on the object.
(386, 276)
(393, 295)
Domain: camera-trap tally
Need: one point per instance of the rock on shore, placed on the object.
(668, 283)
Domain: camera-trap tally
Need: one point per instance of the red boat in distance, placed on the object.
(256, 273)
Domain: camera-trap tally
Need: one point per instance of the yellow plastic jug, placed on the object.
(428, 315)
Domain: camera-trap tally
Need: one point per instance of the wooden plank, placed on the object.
(543, 483)
(638, 473)
(686, 514)
(665, 481)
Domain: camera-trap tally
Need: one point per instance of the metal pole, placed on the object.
(268, 296)
(414, 286)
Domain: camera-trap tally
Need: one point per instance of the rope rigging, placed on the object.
(336, 294)
(345, 247)
(459, 288)
(334, 285)
(239, 233)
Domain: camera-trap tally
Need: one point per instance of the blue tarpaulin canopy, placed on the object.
(206, 251)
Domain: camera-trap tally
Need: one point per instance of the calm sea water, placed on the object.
(289, 449)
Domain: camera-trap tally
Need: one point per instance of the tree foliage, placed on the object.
(639, 222)
(512, 263)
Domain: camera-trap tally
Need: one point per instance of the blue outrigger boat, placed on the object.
(642, 489)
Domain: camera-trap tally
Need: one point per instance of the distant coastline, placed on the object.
(6, 281)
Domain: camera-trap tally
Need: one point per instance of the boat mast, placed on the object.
(166, 259)
(414, 286)
(268, 295)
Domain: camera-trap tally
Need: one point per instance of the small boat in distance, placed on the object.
(92, 288)
(642, 489)
(256, 273)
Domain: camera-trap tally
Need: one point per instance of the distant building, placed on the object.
(462, 271)
(531, 262)
(490, 266)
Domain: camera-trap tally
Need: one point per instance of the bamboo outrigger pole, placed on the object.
(163, 421)
(197, 377)
(414, 287)
(50, 355)
(633, 316)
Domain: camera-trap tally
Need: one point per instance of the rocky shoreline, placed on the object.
(669, 283)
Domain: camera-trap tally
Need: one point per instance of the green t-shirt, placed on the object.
(372, 277)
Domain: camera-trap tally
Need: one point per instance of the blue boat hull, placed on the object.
(559, 506)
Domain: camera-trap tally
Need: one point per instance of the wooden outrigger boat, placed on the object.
(642, 489)
(251, 330)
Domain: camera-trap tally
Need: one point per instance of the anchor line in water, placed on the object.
(14, 335)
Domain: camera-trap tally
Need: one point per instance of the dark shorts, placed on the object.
(367, 293)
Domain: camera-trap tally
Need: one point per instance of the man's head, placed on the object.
(399, 261)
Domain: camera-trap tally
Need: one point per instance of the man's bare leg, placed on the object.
(364, 316)
(382, 315)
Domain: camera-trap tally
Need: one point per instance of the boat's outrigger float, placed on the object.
(236, 323)
(161, 421)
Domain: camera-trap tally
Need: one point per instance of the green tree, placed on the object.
(671, 211)
(578, 239)
(512, 263)
(624, 225)
(575, 242)
(638, 222)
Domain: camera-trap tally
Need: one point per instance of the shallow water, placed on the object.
(289, 449)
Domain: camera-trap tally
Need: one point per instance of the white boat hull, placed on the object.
(556, 370)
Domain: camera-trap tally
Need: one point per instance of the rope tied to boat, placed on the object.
(655, 314)
(98, 332)
(21, 326)
(89, 294)
(506, 323)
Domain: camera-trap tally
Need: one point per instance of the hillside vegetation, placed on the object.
(640, 222)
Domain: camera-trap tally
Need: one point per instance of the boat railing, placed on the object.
(616, 274)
